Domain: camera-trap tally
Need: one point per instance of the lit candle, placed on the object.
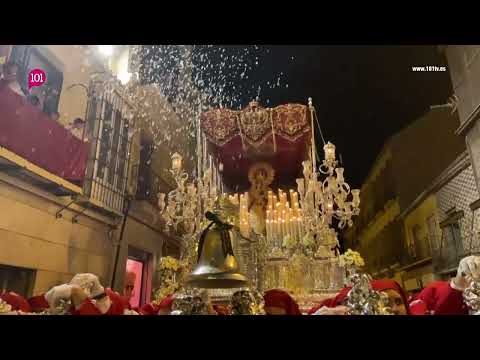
(295, 198)
(176, 161)
(356, 197)
(275, 226)
(282, 228)
(295, 228)
(329, 205)
(292, 224)
(287, 222)
(268, 226)
(340, 178)
(329, 150)
(204, 157)
(300, 226)
(268, 229)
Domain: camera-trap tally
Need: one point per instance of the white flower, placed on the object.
(352, 258)
(288, 242)
(170, 263)
(308, 240)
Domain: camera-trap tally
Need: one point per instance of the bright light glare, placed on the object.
(106, 50)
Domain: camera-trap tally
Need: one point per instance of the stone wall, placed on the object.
(32, 237)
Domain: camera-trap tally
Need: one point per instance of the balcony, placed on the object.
(40, 151)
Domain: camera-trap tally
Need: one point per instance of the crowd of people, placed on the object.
(86, 296)
(42, 98)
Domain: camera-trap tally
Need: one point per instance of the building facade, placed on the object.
(52, 228)
(441, 226)
(464, 68)
(406, 166)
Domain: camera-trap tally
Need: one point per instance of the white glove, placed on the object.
(130, 312)
(339, 310)
(55, 294)
(468, 271)
(89, 283)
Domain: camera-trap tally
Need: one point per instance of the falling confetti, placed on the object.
(193, 79)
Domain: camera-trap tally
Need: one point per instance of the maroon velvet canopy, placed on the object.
(239, 139)
(31, 134)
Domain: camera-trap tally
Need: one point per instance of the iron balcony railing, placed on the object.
(109, 128)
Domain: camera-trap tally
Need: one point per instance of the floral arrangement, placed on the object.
(289, 242)
(308, 241)
(170, 263)
(352, 259)
(306, 245)
(168, 268)
(4, 307)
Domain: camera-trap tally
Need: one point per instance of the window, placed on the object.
(432, 231)
(18, 280)
(421, 246)
(451, 247)
(413, 243)
(29, 58)
(454, 236)
(109, 128)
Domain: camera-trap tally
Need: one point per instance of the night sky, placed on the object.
(363, 94)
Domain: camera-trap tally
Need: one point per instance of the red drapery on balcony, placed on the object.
(31, 134)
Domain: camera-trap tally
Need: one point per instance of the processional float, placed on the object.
(262, 163)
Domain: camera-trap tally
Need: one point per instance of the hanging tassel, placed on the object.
(239, 122)
(273, 131)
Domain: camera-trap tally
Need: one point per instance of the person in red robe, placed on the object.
(396, 295)
(98, 301)
(446, 297)
(17, 302)
(279, 302)
(38, 303)
(88, 297)
(129, 291)
(163, 308)
(129, 288)
(222, 309)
